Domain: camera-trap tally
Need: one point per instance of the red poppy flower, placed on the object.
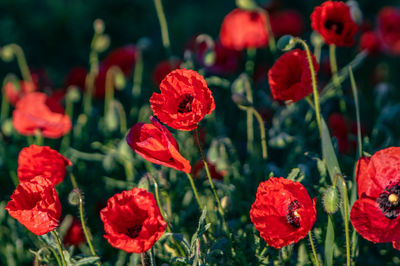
(290, 78)
(44, 161)
(156, 144)
(76, 77)
(370, 42)
(132, 221)
(375, 215)
(215, 174)
(34, 113)
(123, 57)
(389, 29)
(293, 23)
(75, 234)
(283, 212)
(164, 68)
(184, 100)
(36, 205)
(341, 131)
(334, 22)
(242, 29)
(15, 91)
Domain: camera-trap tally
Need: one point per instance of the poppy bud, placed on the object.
(331, 200)
(74, 197)
(240, 99)
(286, 43)
(98, 26)
(7, 53)
(246, 4)
(209, 58)
(73, 94)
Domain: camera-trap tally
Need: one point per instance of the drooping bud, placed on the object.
(74, 197)
(7, 53)
(331, 200)
(286, 43)
(246, 4)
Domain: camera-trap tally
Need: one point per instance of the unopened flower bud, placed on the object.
(7, 53)
(286, 43)
(74, 197)
(120, 81)
(331, 200)
(98, 26)
(240, 99)
(246, 4)
(209, 58)
(226, 203)
(73, 94)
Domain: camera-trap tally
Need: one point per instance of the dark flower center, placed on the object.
(133, 231)
(388, 201)
(292, 216)
(337, 27)
(185, 106)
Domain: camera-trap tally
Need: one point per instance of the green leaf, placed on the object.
(86, 261)
(293, 174)
(329, 242)
(328, 152)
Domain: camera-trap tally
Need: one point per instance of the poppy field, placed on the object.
(247, 132)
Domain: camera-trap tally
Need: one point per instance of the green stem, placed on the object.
(138, 75)
(271, 38)
(85, 230)
(164, 26)
(316, 262)
(196, 195)
(264, 251)
(314, 84)
(109, 97)
(69, 110)
(209, 176)
(55, 255)
(38, 138)
(21, 60)
(122, 117)
(355, 95)
(262, 132)
(60, 249)
(335, 77)
(250, 128)
(81, 214)
(346, 216)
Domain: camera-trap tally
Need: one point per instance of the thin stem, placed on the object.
(335, 77)
(346, 217)
(264, 251)
(271, 38)
(138, 74)
(85, 230)
(38, 137)
(333, 64)
(209, 175)
(69, 110)
(316, 262)
(314, 84)
(165, 218)
(262, 132)
(60, 249)
(152, 257)
(250, 128)
(110, 80)
(81, 214)
(143, 258)
(55, 255)
(164, 26)
(196, 195)
(122, 117)
(21, 60)
(355, 95)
